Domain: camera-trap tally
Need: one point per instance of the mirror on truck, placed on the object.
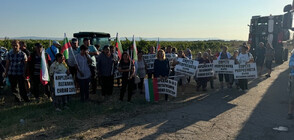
(287, 20)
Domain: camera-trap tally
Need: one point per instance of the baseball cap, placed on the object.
(56, 42)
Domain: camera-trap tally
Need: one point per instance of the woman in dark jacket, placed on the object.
(161, 67)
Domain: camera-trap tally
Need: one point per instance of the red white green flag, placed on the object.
(65, 47)
(44, 75)
(134, 48)
(118, 46)
(151, 90)
(158, 46)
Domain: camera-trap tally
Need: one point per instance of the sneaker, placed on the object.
(267, 76)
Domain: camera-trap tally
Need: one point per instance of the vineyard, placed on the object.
(195, 46)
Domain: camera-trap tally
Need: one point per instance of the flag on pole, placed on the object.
(134, 48)
(44, 75)
(118, 46)
(66, 45)
(158, 46)
(151, 90)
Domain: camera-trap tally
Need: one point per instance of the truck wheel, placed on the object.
(279, 56)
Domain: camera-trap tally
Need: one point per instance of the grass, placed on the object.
(41, 121)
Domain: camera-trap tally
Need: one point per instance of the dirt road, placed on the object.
(225, 114)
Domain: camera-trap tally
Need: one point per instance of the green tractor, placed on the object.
(96, 38)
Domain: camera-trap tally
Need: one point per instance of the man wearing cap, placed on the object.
(92, 51)
(53, 50)
(71, 57)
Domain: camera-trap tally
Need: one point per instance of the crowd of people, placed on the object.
(91, 66)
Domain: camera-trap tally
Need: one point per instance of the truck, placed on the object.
(274, 29)
(96, 38)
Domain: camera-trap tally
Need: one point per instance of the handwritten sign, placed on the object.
(64, 84)
(149, 60)
(167, 86)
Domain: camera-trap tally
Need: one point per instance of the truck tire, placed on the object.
(279, 56)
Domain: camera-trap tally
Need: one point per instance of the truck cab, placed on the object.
(276, 30)
(96, 38)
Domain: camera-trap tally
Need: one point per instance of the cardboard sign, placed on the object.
(224, 66)
(117, 74)
(186, 66)
(149, 60)
(247, 71)
(170, 57)
(64, 84)
(167, 86)
(205, 70)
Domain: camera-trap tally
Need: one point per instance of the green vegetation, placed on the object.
(143, 45)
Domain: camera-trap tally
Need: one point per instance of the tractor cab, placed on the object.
(96, 38)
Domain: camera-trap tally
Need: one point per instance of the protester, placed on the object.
(199, 56)
(211, 58)
(269, 56)
(243, 58)
(16, 62)
(59, 67)
(174, 50)
(202, 82)
(83, 72)
(150, 72)
(161, 67)
(3, 53)
(105, 71)
(260, 56)
(126, 67)
(291, 87)
(72, 60)
(114, 53)
(23, 48)
(140, 66)
(182, 79)
(231, 76)
(92, 51)
(52, 51)
(188, 54)
(224, 55)
(34, 69)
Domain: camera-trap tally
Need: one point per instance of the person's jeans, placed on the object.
(84, 89)
(18, 80)
(106, 85)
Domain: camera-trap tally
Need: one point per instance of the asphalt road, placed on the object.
(223, 115)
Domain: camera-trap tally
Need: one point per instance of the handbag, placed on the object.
(137, 79)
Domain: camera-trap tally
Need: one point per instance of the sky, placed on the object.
(223, 19)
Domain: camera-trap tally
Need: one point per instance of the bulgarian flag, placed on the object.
(157, 46)
(44, 75)
(66, 45)
(118, 46)
(151, 90)
(134, 48)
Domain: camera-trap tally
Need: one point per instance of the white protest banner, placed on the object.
(186, 66)
(246, 71)
(64, 84)
(117, 74)
(167, 86)
(224, 66)
(205, 70)
(149, 60)
(170, 57)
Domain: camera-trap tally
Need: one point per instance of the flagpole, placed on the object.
(72, 53)
(131, 58)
